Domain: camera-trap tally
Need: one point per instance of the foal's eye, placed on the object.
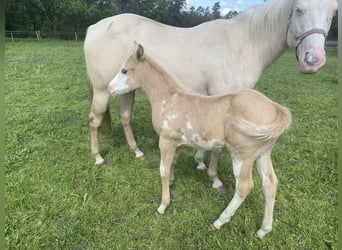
(124, 71)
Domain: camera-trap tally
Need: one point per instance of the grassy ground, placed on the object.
(57, 199)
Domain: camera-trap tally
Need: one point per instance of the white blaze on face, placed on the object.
(118, 85)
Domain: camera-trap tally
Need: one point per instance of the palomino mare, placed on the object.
(247, 123)
(216, 57)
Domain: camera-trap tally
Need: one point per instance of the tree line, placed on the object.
(53, 16)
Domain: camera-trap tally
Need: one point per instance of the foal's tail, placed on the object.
(273, 130)
(106, 125)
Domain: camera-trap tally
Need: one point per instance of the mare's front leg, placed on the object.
(199, 158)
(167, 153)
(212, 171)
(126, 107)
(98, 108)
(269, 184)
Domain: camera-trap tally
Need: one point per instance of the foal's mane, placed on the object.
(265, 17)
(164, 74)
(171, 82)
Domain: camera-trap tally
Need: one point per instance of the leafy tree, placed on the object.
(333, 34)
(174, 8)
(216, 10)
(231, 14)
(76, 15)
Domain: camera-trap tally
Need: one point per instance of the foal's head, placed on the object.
(127, 78)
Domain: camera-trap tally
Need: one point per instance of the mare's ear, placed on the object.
(139, 52)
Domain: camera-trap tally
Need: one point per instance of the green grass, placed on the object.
(56, 198)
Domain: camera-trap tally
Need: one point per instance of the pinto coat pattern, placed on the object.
(247, 123)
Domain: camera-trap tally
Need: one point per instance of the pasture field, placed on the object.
(56, 198)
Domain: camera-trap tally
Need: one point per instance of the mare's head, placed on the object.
(308, 28)
(127, 79)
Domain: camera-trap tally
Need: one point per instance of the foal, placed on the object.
(247, 123)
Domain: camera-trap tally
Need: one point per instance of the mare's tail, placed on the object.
(281, 123)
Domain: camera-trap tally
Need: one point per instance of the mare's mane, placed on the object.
(264, 18)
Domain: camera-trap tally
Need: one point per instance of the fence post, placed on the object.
(38, 34)
(76, 36)
(12, 37)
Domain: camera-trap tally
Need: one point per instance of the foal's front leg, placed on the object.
(126, 107)
(167, 154)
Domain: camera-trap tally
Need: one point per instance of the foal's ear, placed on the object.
(140, 52)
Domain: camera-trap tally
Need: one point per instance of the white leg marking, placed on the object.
(99, 161)
(138, 153)
(161, 209)
(229, 211)
(162, 169)
(235, 202)
(217, 183)
(269, 182)
(262, 232)
(236, 168)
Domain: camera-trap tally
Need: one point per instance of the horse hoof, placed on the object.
(222, 189)
(100, 163)
(201, 167)
(160, 212)
(261, 233)
(142, 158)
(213, 227)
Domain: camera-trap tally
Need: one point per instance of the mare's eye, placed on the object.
(124, 71)
(299, 11)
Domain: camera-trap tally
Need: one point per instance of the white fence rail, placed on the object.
(39, 36)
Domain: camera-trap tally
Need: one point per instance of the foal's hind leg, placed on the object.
(172, 175)
(126, 107)
(244, 185)
(269, 184)
(98, 109)
(212, 171)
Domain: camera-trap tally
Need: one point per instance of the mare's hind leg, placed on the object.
(126, 107)
(243, 186)
(97, 111)
(212, 171)
(269, 184)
